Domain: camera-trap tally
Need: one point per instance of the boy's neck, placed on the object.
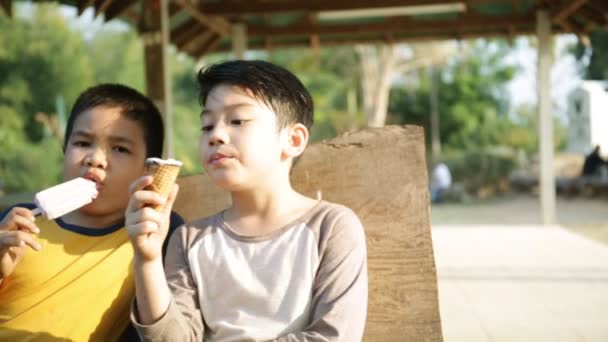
(258, 212)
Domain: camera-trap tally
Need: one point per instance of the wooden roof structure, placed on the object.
(198, 27)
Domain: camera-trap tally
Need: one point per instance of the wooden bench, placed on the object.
(380, 174)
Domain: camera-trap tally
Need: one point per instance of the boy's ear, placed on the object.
(296, 139)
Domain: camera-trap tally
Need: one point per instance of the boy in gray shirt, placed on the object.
(274, 266)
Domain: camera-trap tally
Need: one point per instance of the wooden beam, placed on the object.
(199, 40)
(7, 6)
(219, 25)
(545, 118)
(117, 8)
(185, 32)
(566, 10)
(101, 6)
(403, 24)
(600, 5)
(245, 7)
(593, 17)
(411, 37)
(82, 5)
(210, 45)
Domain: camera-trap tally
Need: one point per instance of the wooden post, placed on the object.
(155, 36)
(545, 118)
(7, 6)
(239, 40)
(434, 102)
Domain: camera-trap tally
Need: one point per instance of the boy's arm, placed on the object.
(17, 230)
(154, 313)
(340, 290)
(182, 321)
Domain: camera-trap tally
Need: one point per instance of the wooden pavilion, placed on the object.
(199, 27)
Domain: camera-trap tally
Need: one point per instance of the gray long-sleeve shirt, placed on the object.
(304, 282)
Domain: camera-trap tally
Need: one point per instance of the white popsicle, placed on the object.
(60, 199)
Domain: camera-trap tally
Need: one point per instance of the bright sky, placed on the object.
(564, 75)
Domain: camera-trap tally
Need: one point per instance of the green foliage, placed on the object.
(40, 60)
(472, 106)
(31, 166)
(328, 76)
(481, 167)
(594, 60)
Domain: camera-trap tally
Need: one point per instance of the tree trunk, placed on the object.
(377, 70)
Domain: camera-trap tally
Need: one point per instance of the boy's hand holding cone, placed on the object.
(146, 217)
(164, 173)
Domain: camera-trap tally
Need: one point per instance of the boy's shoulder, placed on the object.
(326, 216)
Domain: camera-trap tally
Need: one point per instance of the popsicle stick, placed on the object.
(36, 211)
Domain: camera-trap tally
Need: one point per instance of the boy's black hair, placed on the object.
(281, 90)
(134, 106)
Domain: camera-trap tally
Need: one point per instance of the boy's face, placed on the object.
(109, 148)
(240, 145)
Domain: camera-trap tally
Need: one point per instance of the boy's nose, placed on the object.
(218, 136)
(96, 158)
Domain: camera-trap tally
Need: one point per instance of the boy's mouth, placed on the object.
(217, 158)
(95, 178)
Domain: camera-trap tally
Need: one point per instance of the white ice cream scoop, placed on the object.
(63, 198)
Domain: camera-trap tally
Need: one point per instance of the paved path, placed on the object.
(520, 283)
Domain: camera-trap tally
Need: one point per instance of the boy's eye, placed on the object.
(237, 122)
(81, 143)
(121, 149)
(206, 128)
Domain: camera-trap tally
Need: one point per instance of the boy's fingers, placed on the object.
(24, 212)
(140, 183)
(143, 215)
(171, 199)
(142, 228)
(25, 224)
(20, 219)
(143, 198)
(19, 239)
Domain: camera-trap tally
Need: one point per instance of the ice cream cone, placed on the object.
(164, 173)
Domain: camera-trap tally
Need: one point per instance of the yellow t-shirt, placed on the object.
(79, 287)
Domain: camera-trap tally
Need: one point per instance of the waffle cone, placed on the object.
(164, 177)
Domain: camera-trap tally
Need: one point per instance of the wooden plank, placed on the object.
(186, 32)
(600, 5)
(217, 24)
(381, 175)
(595, 17)
(200, 39)
(567, 9)
(409, 37)
(208, 46)
(7, 6)
(83, 4)
(545, 119)
(250, 7)
(592, 16)
(402, 24)
(118, 8)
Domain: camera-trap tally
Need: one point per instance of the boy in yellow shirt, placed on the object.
(71, 278)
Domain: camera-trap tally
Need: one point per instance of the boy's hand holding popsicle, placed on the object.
(147, 215)
(18, 227)
(17, 230)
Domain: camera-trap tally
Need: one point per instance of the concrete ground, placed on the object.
(517, 280)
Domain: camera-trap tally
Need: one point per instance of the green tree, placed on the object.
(593, 60)
(473, 108)
(41, 59)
